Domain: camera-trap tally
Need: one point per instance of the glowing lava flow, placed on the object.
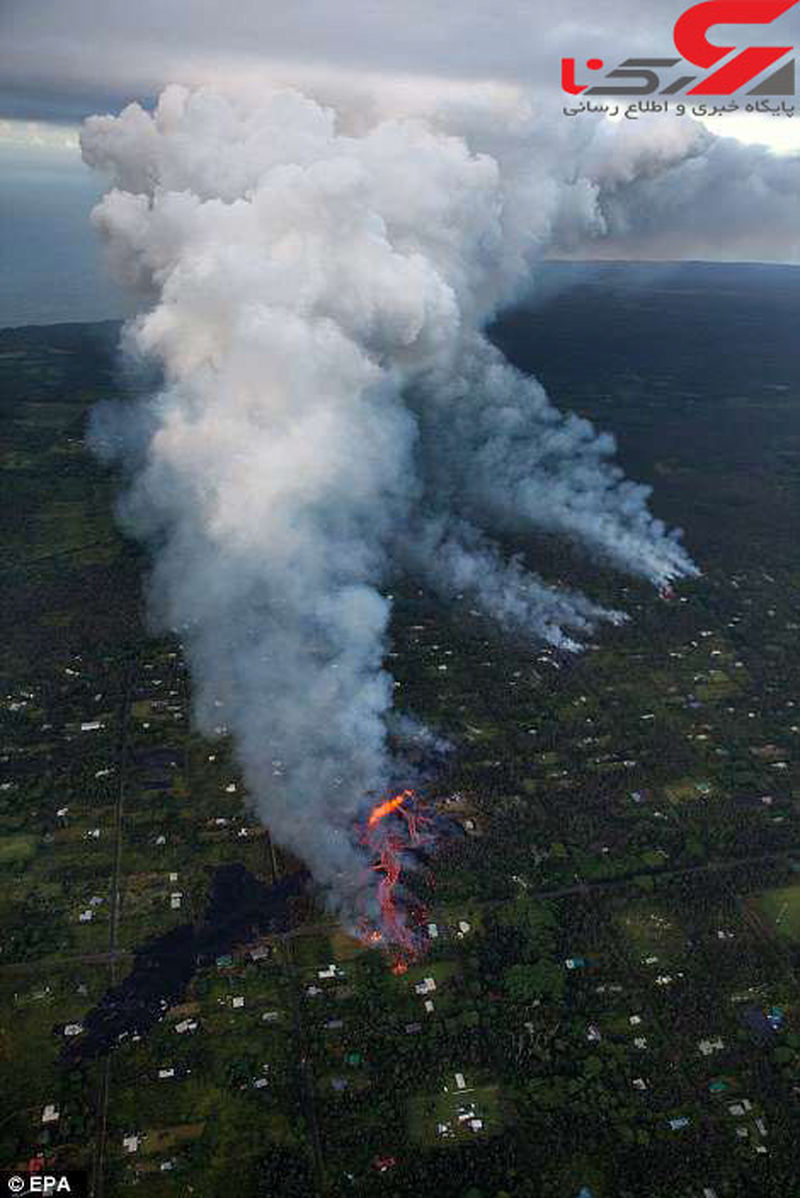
(383, 809)
(393, 828)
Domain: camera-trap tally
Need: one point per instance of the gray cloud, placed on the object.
(58, 54)
(730, 201)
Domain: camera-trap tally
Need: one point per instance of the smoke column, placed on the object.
(331, 411)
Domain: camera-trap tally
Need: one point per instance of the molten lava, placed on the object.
(383, 809)
(393, 830)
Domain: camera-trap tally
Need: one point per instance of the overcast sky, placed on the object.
(62, 60)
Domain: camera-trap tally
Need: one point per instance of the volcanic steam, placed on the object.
(331, 413)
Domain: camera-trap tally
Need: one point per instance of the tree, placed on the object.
(526, 983)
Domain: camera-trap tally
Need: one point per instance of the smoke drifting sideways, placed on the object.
(331, 412)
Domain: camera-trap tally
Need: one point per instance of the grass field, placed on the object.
(14, 850)
(780, 911)
(160, 1140)
(428, 1112)
(652, 931)
(717, 687)
(687, 789)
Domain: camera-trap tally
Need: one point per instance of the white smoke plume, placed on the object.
(332, 412)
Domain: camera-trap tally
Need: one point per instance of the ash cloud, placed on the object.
(331, 412)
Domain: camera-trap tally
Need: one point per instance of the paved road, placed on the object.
(112, 956)
(307, 1087)
(48, 963)
(586, 887)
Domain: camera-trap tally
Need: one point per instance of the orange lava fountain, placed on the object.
(383, 809)
(392, 828)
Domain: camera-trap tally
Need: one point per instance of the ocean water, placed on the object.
(51, 260)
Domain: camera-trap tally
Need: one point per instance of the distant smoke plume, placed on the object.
(331, 412)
